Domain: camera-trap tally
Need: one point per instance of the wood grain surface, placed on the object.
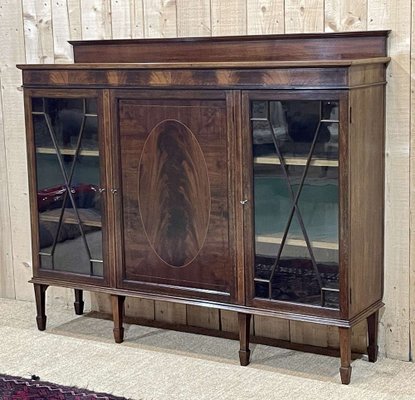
(174, 193)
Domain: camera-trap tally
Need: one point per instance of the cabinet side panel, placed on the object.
(366, 196)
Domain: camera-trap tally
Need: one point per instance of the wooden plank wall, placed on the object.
(396, 15)
(37, 31)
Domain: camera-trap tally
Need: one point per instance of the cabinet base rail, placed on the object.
(244, 320)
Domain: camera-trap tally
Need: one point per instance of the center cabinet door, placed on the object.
(176, 202)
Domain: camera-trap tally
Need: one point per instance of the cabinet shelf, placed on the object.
(317, 162)
(88, 216)
(67, 152)
(264, 239)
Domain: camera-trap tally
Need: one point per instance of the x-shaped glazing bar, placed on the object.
(68, 179)
(294, 198)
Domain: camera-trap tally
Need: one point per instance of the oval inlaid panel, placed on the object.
(174, 193)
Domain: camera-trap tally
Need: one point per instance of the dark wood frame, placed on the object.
(31, 153)
(235, 294)
(342, 97)
(240, 69)
(337, 45)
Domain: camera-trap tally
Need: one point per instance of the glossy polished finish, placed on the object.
(79, 302)
(295, 153)
(68, 184)
(244, 321)
(40, 297)
(275, 75)
(175, 194)
(240, 173)
(175, 221)
(296, 47)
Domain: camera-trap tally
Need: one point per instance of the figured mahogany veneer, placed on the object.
(175, 222)
(174, 193)
(177, 169)
(291, 47)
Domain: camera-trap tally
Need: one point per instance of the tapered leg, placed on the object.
(372, 329)
(79, 302)
(345, 335)
(118, 314)
(40, 298)
(244, 321)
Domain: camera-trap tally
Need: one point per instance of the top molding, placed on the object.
(287, 47)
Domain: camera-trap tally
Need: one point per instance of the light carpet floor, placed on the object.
(157, 364)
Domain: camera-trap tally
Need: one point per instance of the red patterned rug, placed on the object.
(15, 388)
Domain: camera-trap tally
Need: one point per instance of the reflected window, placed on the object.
(68, 182)
(296, 202)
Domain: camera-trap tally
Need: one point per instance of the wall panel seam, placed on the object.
(6, 188)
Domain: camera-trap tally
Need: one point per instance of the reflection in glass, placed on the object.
(68, 181)
(295, 148)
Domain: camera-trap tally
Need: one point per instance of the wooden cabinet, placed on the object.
(242, 173)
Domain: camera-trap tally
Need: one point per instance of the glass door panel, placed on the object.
(68, 184)
(295, 152)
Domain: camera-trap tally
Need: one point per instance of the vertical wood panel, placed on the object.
(265, 17)
(193, 20)
(170, 312)
(66, 21)
(160, 18)
(139, 308)
(304, 16)
(412, 192)
(333, 337)
(63, 297)
(101, 302)
(96, 19)
(127, 19)
(38, 31)
(203, 317)
(359, 337)
(228, 17)
(229, 321)
(6, 255)
(275, 328)
(396, 15)
(12, 52)
(348, 15)
(122, 15)
(322, 336)
(303, 332)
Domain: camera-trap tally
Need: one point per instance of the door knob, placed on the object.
(243, 202)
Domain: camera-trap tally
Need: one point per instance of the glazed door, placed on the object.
(176, 193)
(293, 229)
(66, 165)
